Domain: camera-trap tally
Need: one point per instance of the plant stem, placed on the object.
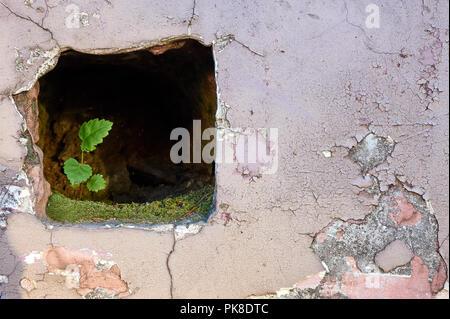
(81, 185)
(195, 206)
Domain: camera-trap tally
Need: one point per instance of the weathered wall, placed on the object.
(362, 116)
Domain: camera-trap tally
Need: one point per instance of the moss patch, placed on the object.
(196, 205)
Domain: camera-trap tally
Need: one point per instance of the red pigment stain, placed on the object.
(356, 284)
(439, 278)
(404, 214)
(321, 237)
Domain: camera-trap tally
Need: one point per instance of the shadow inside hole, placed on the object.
(146, 96)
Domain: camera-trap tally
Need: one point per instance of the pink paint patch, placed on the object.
(439, 278)
(321, 237)
(358, 285)
(405, 215)
(310, 282)
(226, 217)
(58, 258)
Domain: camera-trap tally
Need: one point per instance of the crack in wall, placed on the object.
(223, 41)
(27, 18)
(248, 48)
(192, 18)
(44, 69)
(356, 275)
(169, 270)
(368, 41)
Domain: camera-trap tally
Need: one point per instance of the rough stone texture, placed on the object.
(27, 105)
(371, 151)
(311, 69)
(364, 239)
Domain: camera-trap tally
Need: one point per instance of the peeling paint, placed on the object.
(184, 231)
(83, 270)
(364, 240)
(371, 151)
(15, 198)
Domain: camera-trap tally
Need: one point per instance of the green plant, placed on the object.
(91, 134)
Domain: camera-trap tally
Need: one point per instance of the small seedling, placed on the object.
(91, 134)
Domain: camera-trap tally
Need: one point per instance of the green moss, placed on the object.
(172, 209)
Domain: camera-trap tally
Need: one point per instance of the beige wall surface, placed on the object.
(362, 113)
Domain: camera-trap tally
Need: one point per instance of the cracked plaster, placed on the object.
(310, 69)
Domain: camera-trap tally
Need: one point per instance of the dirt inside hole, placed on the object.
(146, 94)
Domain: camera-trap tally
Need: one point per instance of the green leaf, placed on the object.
(76, 173)
(96, 183)
(92, 133)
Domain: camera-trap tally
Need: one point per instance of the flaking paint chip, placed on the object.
(327, 154)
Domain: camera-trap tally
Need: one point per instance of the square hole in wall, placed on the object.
(146, 94)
